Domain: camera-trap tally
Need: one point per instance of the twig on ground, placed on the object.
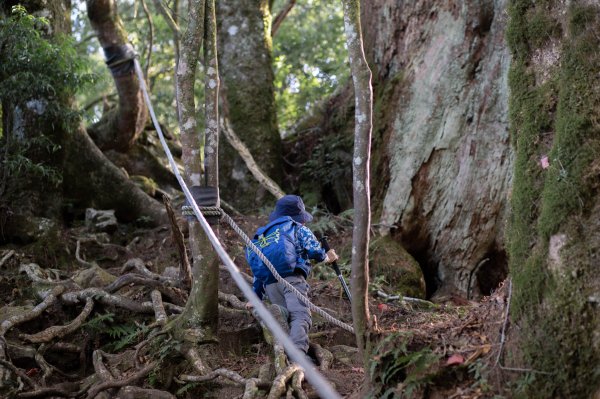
(503, 335)
(6, 257)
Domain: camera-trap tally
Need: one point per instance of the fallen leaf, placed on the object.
(455, 359)
(382, 307)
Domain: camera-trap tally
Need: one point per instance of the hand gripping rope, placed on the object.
(313, 376)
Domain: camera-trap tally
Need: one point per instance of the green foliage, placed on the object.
(398, 371)
(121, 334)
(39, 75)
(325, 222)
(309, 57)
(479, 371)
(330, 161)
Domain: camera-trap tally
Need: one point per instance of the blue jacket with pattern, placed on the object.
(289, 246)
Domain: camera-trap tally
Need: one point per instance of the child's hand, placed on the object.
(331, 256)
(249, 306)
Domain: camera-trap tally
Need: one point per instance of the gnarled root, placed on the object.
(60, 331)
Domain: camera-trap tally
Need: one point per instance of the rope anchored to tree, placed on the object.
(314, 377)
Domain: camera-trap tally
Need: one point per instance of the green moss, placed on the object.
(558, 118)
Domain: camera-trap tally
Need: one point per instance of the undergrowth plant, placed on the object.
(398, 371)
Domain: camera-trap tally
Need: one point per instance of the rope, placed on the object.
(283, 281)
(216, 211)
(314, 377)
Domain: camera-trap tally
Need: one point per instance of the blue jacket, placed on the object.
(295, 246)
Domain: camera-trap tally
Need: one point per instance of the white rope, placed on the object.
(216, 211)
(313, 376)
(283, 281)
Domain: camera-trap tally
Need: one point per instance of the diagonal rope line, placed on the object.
(280, 279)
(314, 377)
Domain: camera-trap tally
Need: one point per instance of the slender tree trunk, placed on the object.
(363, 94)
(201, 310)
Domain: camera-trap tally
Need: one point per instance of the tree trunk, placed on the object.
(58, 158)
(554, 231)
(363, 122)
(201, 311)
(247, 78)
(443, 161)
(119, 127)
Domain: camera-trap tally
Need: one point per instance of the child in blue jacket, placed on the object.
(290, 246)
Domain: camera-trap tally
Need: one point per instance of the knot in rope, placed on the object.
(187, 210)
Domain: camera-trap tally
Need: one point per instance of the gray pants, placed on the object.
(299, 320)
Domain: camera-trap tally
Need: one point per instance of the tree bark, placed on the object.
(119, 128)
(442, 157)
(247, 86)
(363, 119)
(81, 172)
(201, 310)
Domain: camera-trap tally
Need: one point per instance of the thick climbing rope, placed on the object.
(314, 377)
(216, 211)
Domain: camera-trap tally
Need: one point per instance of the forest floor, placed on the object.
(446, 350)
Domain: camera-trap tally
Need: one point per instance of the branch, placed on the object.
(245, 154)
(281, 16)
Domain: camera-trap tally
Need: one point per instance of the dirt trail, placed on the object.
(445, 351)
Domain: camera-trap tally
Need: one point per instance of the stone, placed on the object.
(101, 220)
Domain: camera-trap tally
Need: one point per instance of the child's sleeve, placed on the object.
(310, 244)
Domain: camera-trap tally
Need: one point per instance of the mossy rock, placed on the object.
(94, 276)
(147, 185)
(392, 266)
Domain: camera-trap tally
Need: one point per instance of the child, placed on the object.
(289, 246)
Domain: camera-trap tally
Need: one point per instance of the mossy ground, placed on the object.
(558, 118)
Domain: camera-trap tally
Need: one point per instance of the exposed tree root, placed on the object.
(33, 313)
(60, 331)
(118, 383)
(279, 386)
(159, 309)
(232, 300)
(78, 257)
(105, 298)
(178, 296)
(133, 392)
